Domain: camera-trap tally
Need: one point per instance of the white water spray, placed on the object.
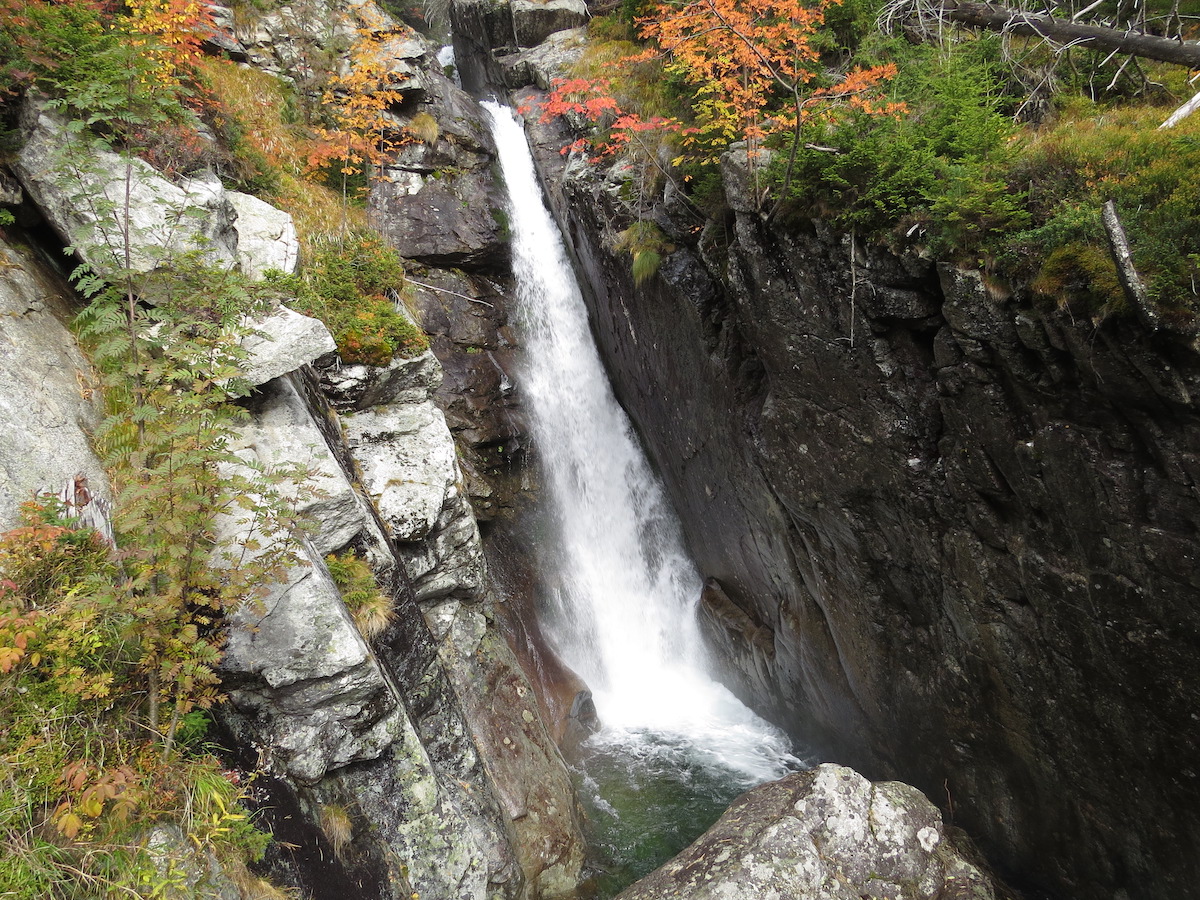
(625, 587)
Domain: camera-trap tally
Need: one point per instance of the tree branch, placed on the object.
(1182, 113)
(433, 287)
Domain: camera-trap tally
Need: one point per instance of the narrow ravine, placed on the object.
(675, 746)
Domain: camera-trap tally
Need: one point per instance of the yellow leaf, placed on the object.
(68, 825)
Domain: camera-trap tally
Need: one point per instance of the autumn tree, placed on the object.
(364, 135)
(169, 32)
(756, 69)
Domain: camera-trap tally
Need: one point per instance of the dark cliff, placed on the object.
(950, 535)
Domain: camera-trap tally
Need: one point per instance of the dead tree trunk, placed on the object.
(1064, 31)
(1131, 281)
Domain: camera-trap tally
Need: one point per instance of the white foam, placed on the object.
(627, 589)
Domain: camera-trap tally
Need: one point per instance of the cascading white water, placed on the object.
(625, 586)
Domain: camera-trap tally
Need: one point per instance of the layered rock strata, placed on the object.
(407, 459)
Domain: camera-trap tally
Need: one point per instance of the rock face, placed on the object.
(950, 533)
(296, 667)
(825, 833)
(535, 20)
(300, 676)
(407, 458)
(282, 342)
(81, 191)
(394, 732)
(293, 40)
(47, 399)
(266, 236)
(541, 64)
(486, 31)
(470, 798)
(408, 467)
(466, 319)
(438, 203)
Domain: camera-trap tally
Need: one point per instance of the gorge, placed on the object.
(930, 526)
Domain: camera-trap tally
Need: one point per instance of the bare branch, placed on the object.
(433, 287)
(1131, 281)
(1182, 113)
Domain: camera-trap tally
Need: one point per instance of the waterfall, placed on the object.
(625, 588)
(675, 747)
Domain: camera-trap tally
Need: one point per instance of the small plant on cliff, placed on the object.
(337, 826)
(353, 284)
(169, 373)
(372, 610)
(645, 243)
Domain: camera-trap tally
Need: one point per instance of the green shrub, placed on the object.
(46, 558)
(871, 173)
(353, 285)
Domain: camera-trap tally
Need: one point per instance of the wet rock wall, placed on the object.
(949, 533)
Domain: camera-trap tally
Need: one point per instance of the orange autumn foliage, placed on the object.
(364, 135)
(755, 73)
(753, 64)
(174, 30)
(89, 792)
(590, 99)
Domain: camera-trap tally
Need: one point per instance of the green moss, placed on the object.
(500, 217)
(645, 265)
(353, 285)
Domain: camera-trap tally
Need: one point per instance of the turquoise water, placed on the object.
(646, 797)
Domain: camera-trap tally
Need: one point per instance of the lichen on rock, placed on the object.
(829, 833)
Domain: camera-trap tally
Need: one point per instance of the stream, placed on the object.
(675, 747)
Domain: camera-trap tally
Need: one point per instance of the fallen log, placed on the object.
(1066, 31)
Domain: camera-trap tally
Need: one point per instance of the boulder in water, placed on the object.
(828, 833)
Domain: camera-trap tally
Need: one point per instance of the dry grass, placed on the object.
(424, 127)
(374, 616)
(317, 211)
(265, 110)
(337, 826)
(251, 887)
